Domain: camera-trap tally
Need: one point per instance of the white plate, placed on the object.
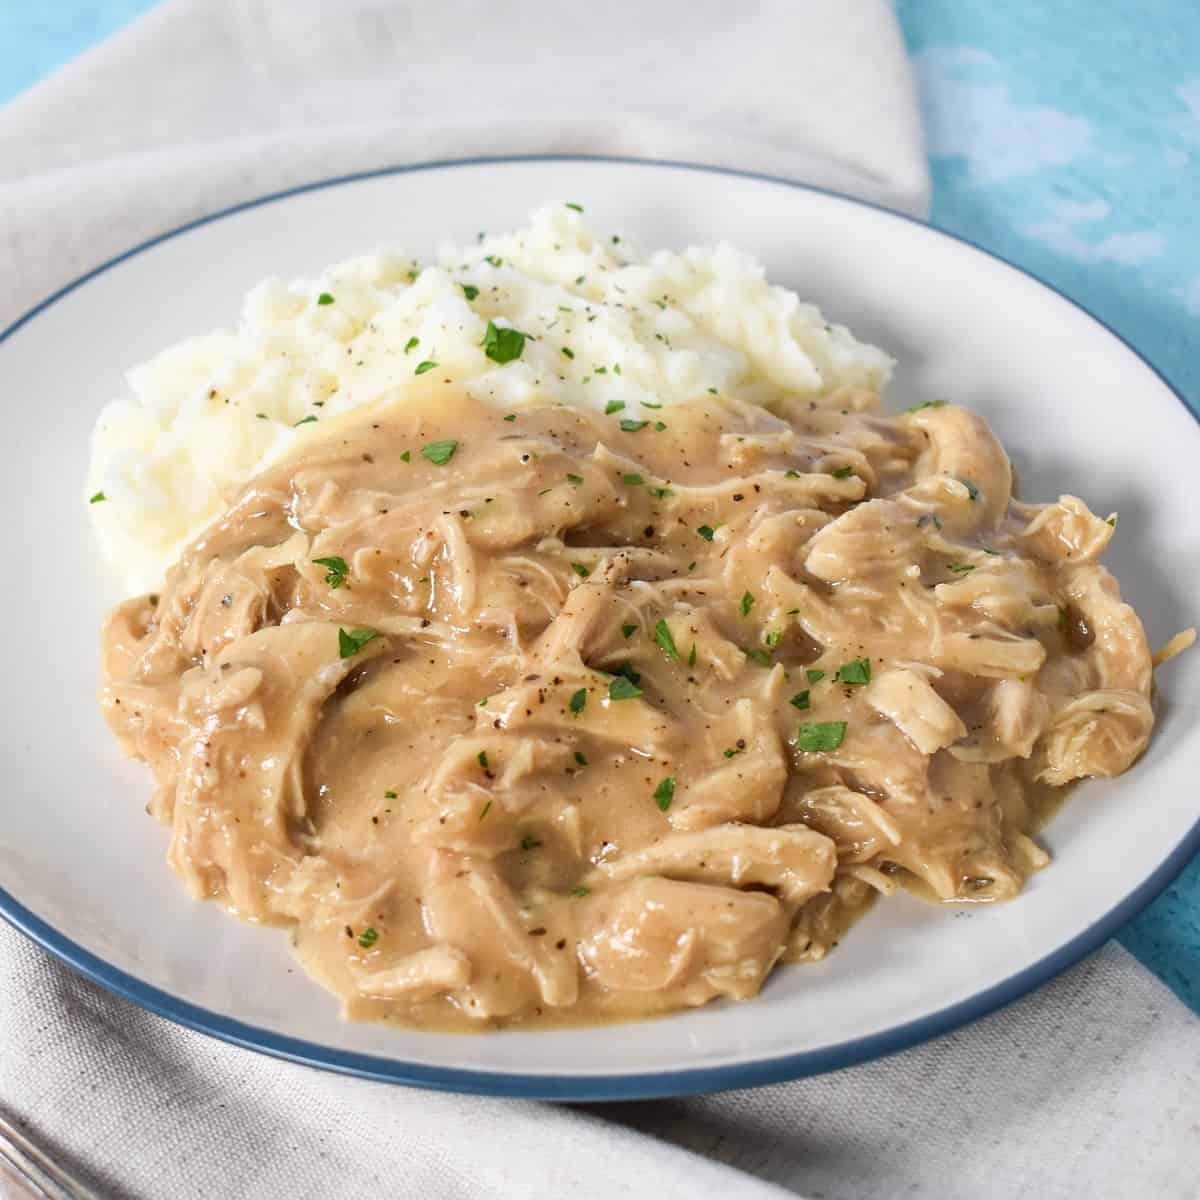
(82, 866)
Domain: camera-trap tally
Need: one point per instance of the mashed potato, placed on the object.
(603, 323)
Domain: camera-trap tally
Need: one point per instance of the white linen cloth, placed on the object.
(1086, 1088)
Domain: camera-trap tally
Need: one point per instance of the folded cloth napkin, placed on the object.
(1084, 1089)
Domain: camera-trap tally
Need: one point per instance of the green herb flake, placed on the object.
(661, 493)
(484, 702)
(422, 367)
(576, 207)
(773, 638)
(390, 795)
(628, 425)
(324, 298)
(487, 808)
(800, 700)
(707, 532)
(659, 426)
(791, 474)
(632, 480)
(747, 603)
(665, 793)
(580, 891)
(350, 642)
(577, 701)
(579, 279)
(98, 498)
(961, 568)
(692, 656)
(493, 260)
(819, 736)
(483, 759)
(304, 421)
(665, 641)
(580, 758)
(406, 456)
(580, 570)
(470, 291)
(732, 752)
(368, 937)
(529, 842)
(927, 404)
(613, 406)
(511, 417)
(712, 391)
(439, 453)
(972, 490)
(576, 480)
(502, 344)
(623, 688)
(647, 404)
(759, 657)
(568, 352)
(338, 570)
(855, 673)
(814, 676)
(411, 344)
(627, 631)
(1111, 519)
(842, 473)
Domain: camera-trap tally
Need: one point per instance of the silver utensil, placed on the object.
(27, 1173)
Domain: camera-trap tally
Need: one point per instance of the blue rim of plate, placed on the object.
(591, 1087)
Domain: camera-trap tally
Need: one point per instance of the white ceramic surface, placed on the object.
(82, 866)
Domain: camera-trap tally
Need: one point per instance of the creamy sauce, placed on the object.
(538, 718)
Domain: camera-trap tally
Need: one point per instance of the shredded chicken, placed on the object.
(534, 718)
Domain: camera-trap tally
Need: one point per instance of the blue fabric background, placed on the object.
(1063, 136)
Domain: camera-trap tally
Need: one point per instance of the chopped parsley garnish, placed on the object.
(814, 675)
(577, 701)
(820, 735)
(692, 656)
(855, 672)
(1111, 519)
(482, 759)
(760, 657)
(493, 260)
(324, 298)
(338, 570)
(511, 417)
(842, 472)
(422, 367)
(484, 702)
(580, 278)
(665, 641)
(926, 404)
(623, 688)
(800, 700)
(390, 795)
(580, 758)
(665, 793)
(661, 493)
(576, 207)
(706, 532)
(633, 480)
(747, 603)
(791, 474)
(502, 344)
(98, 498)
(647, 404)
(305, 420)
(627, 631)
(659, 426)
(961, 568)
(406, 456)
(368, 937)
(773, 638)
(470, 291)
(529, 842)
(972, 490)
(487, 808)
(732, 752)
(350, 642)
(580, 891)
(613, 406)
(574, 479)
(629, 425)
(580, 570)
(568, 352)
(439, 453)
(411, 344)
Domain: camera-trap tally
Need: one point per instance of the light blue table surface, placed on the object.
(1064, 136)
